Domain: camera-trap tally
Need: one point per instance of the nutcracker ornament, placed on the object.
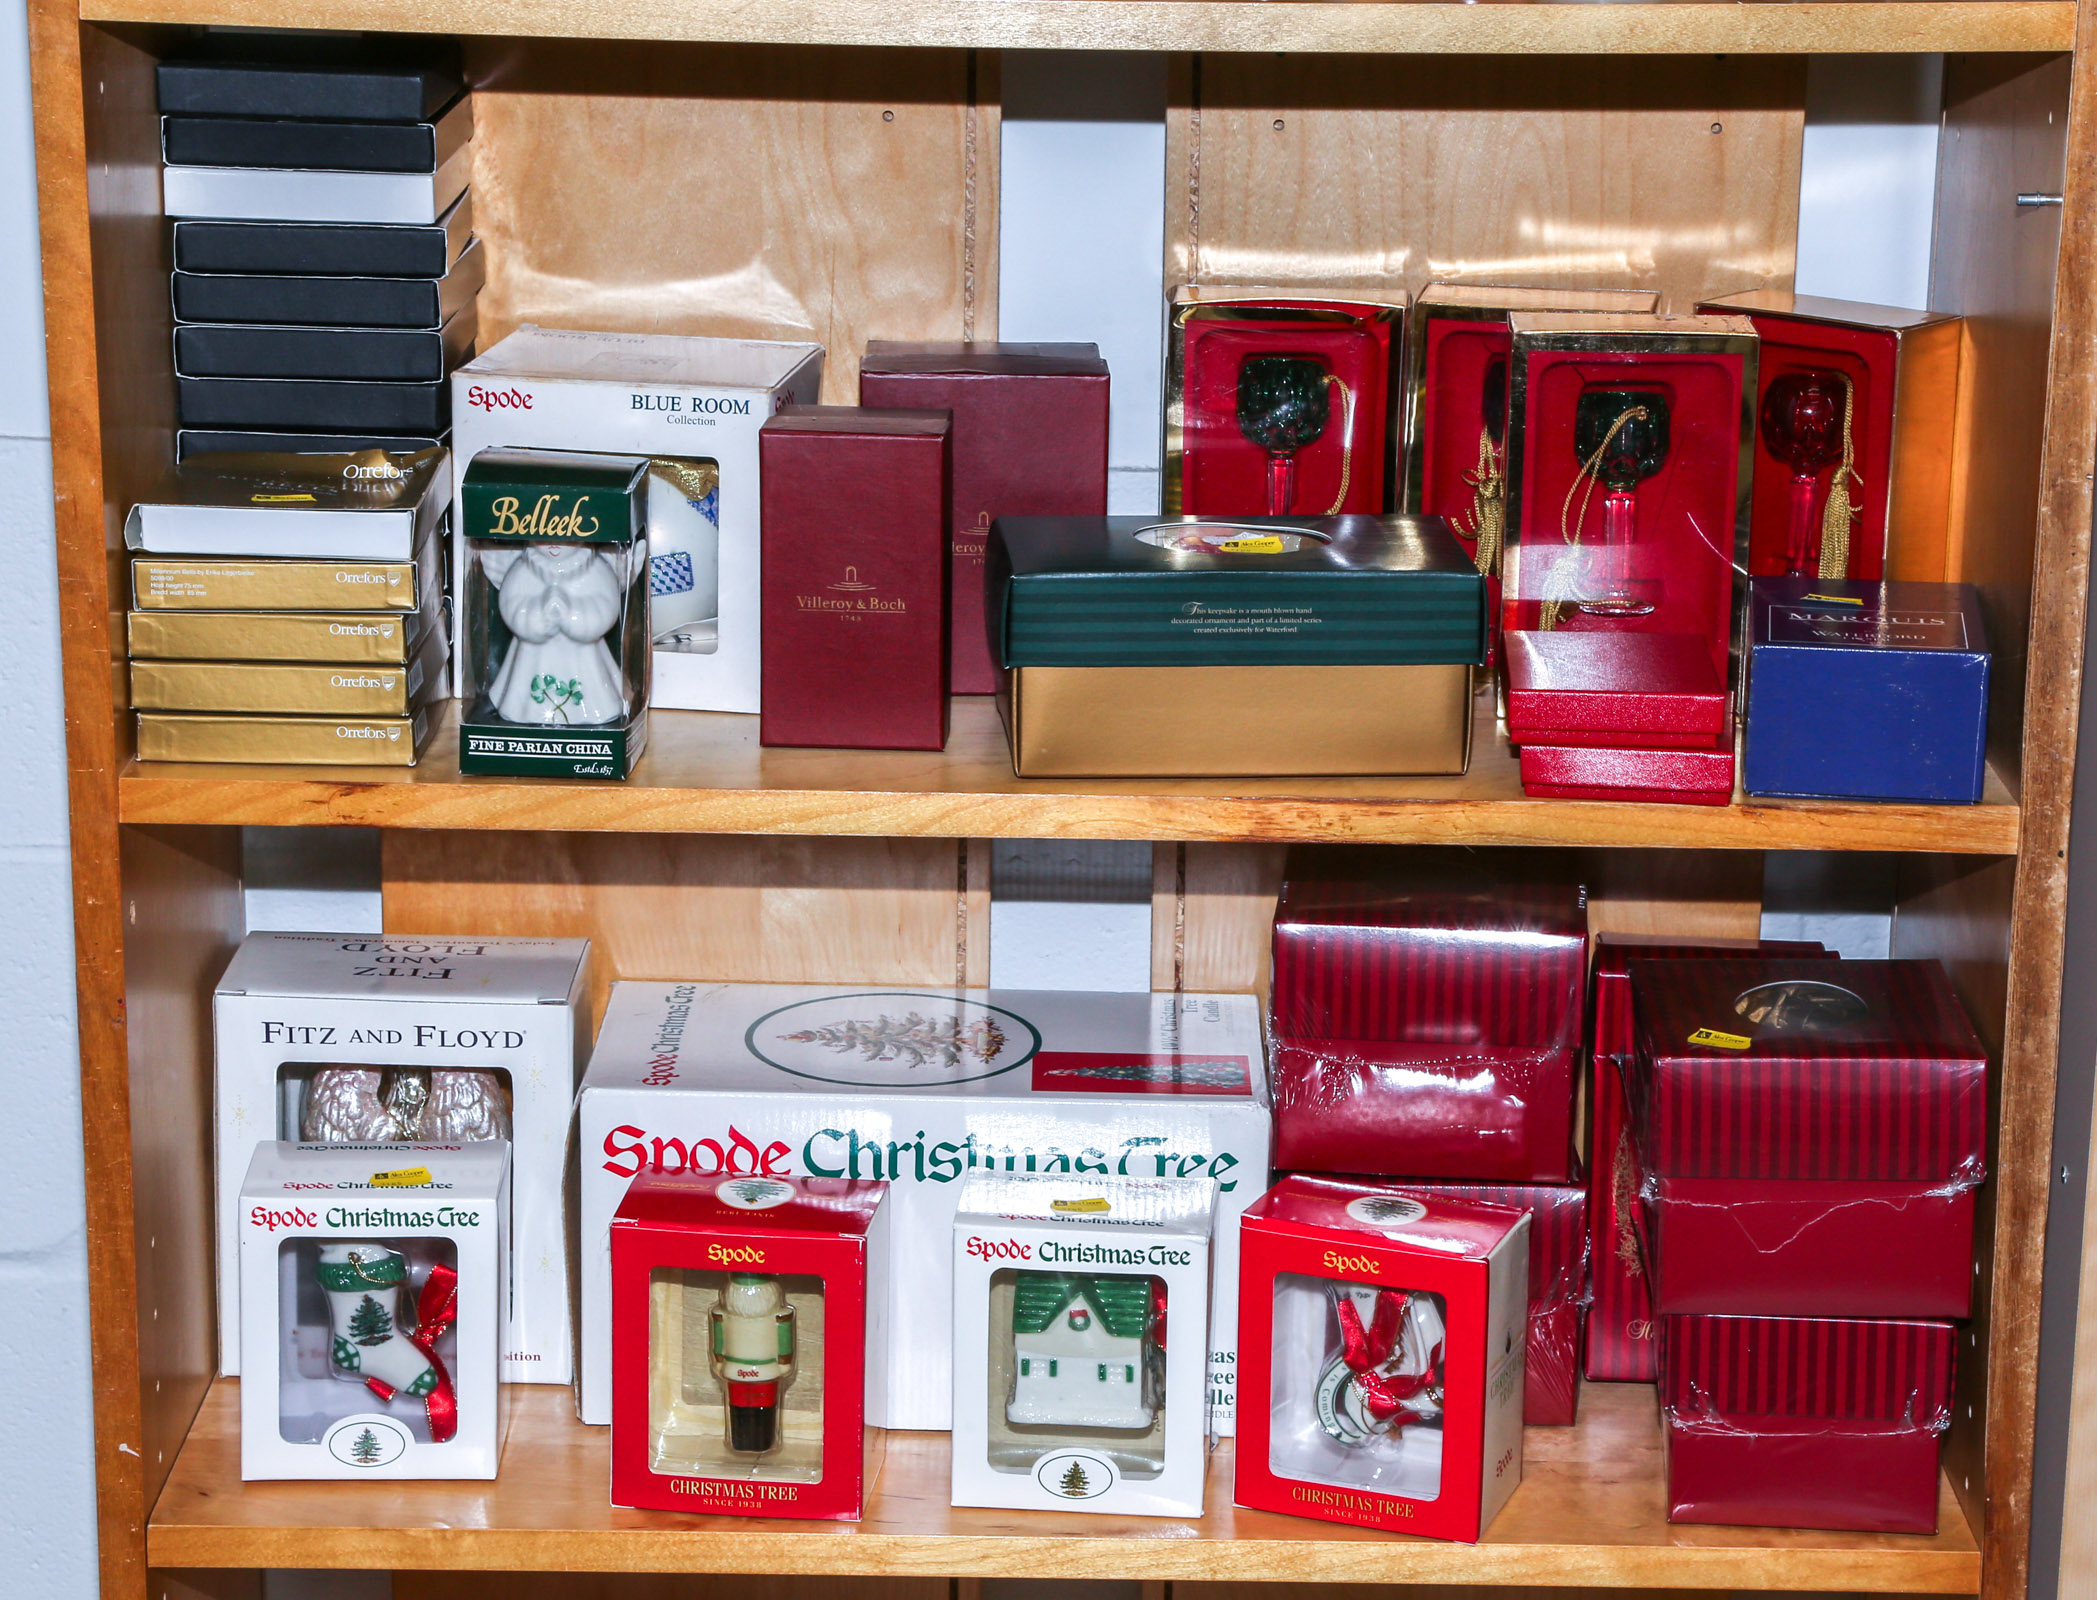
(752, 1343)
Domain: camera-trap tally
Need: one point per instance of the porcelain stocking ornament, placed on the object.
(559, 602)
(366, 1287)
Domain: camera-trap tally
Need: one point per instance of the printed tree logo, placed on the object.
(370, 1323)
(915, 1041)
(365, 1449)
(1075, 1483)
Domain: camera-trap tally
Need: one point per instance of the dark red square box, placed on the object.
(1661, 777)
(741, 1344)
(1030, 440)
(1797, 1422)
(1623, 1340)
(1445, 1456)
(1637, 690)
(1426, 1015)
(855, 578)
(1809, 1137)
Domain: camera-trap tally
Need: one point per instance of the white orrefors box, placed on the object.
(327, 1037)
(921, 1087)
(373, 1279)
(1078, 1370)
(693, 407)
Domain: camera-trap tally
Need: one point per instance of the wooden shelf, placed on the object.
(706, 773)
(1677, 27)
(1590, 1512)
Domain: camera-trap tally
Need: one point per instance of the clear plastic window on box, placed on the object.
(556, 634)
(735, 1375)
(348, 1103)
(1077, 1358)
(684, 554)
(1360, 1404)
(368, 1330)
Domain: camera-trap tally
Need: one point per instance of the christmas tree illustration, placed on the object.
(1075, 1483)
(916, 1041)
(370, 1323)
(1182, 1074)
(364, 1449)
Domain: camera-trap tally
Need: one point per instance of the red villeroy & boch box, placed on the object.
(1809, 1137)
(855, 578)
(1380, 1357)
(743, 1345)
(1623, 1339)
(1801, 1422)
(1426, 1012)
(1030, 440)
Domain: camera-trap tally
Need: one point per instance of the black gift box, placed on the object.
(385, 355)
(329, 302)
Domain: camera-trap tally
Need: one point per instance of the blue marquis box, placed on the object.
(1866, 691)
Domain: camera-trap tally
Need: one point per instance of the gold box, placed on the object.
(379, 637)
(337, 689)
(161, 583)
(282, 741)
(1237, 722)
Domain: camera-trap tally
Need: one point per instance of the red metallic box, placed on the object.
(1809, 1137)
(1661, 777)
(742, 1344)
(1622, 1336)
(1655, 691)
(1380, 1357)
(1426, 1014)
(1805, 1423)
(1558, 1295)
(1030, 440)
(855, 578)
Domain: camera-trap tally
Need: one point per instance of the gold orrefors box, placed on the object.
(337, 689)
(282, 741)
(161, 583)
(1225, 722)
(379, 637)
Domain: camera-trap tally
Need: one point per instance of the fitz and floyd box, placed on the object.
(1106, 625)
(1799, 1422)
(1282, 402)
(1069, 1395)
(1426, 1014)
(855, 578)
(373, 1279)
(1809, 1136)
(746, 1339)
(920, 1087)
(339, 1038)
(1382, 1352)
(1856, 411)
(1029, 440)
(1867, 691)
(693, 407)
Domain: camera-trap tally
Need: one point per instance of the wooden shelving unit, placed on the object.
(844, 153)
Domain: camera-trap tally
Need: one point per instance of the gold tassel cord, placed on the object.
(1346, 441)
(1841, 510)
(1488, 481)
(1551, 612)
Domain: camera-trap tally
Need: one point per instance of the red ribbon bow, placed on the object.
(1364, 1350)
(435, 1311)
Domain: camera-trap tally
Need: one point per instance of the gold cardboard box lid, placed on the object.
(354, 636)
(1372, 299)
(332, 689)
(160, 583)
(282, 741)
(1534, 297)
(1234, 722)
(1818, 308)
(1628, 324)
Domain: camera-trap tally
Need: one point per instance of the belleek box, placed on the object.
(366, 1039)
(920, 1087)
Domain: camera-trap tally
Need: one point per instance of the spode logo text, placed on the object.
(511, 399)
(999, 1249)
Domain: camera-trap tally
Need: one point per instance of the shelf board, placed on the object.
(1590, 1512)
(1676, 27)
(706, 773)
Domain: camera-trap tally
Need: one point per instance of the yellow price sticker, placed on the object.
(402, 1178)
(1092, 1203)
(1262, 544)
(1723, 1041)
(278, 499)
(1835, 599)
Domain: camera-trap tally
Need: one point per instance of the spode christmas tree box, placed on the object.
(920, 1087)
(373, 1279)
(1381, 1337)
(1080, 1304)
(740, 1318)
(694, 408)
(353, 1038)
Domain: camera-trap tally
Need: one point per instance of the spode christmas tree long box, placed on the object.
(920, 1087)
(342, 1038)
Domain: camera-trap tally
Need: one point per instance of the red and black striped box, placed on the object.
(1557, 1287)
(1800, 1422)
(1622, 1339)
(1809, 1136)
(1426, 1014)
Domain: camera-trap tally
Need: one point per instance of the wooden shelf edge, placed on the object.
(1674, 27)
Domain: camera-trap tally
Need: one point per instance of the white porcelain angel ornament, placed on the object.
(560, 602)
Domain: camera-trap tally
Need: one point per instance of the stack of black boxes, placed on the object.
(325, 264)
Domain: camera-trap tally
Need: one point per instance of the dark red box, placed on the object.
(1805, 1422)
(1626, 690)
(855, 578)
(1030, 440)
(1663, 777)
(1558, 1296)
(1426, 1015)
(1809, 1136)
(1622, 1336)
